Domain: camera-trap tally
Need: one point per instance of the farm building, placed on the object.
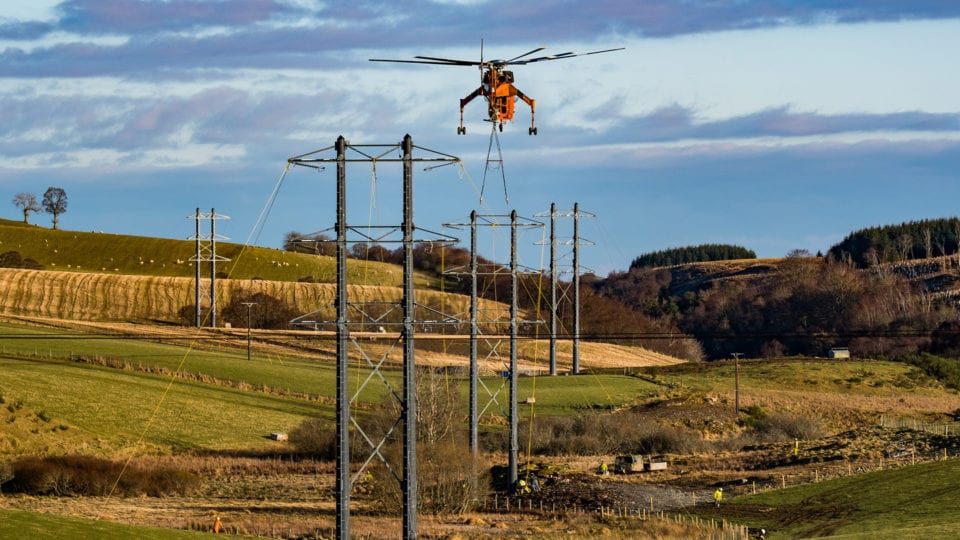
(839, 352)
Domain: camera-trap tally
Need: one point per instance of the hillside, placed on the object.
(99, 296)
(117, 254)
(800, 305)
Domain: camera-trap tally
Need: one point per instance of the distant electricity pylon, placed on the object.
(207, 252)
(576, 242)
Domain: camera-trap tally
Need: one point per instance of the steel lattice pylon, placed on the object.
(493, 221)
(576, 242)
(207, 252)
(407, 477)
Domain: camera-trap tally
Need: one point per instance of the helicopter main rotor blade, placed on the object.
(435, 62)
(510, 61)
(565, 55)
(450, 60)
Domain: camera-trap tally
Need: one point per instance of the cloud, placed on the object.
(137, 16)
(189, 34)
(676, 123)
(21, 31)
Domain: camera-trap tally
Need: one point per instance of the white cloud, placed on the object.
(29, 10)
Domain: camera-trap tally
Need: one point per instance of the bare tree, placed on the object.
(55, 202)
(26, 202)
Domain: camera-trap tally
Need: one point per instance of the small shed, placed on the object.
(838, 352)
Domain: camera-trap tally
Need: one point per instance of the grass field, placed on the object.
(231, 403)
(118, 407)
(53, 405)
(913, 502)
(18, 524)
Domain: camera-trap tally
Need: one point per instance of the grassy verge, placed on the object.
(18, 524)
(911, 502)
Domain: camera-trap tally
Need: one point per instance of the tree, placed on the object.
(26, 202)
(55, 202)
(318, 244)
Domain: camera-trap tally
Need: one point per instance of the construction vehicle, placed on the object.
(628, 464)
(637, 463)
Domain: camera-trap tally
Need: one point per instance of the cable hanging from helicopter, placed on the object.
(496, 83)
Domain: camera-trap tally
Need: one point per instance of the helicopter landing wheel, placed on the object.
(532, 131)
(501, 127)
(462, 130)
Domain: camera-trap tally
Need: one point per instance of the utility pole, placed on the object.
(736, 400)
(249, 306)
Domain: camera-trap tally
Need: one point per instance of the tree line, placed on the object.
(54, 202)
(892, 243)
(805, 306)
(692, 254)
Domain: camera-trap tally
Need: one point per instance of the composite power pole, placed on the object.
(474, 330)
(576, 288)
(553, 289)
(343, 483)
(409, 370)
(514, 445)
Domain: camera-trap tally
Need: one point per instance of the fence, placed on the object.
(707, 528)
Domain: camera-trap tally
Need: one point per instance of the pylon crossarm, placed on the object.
(359, 308)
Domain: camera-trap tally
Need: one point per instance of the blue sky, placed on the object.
(769, 124)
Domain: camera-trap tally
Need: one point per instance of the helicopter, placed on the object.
(496, 83)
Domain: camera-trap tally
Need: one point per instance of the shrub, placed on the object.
(315, 437)
(946, 370)
(11, 259)
(444, 483)
(266, 311)
(87, 475)
(785, 426)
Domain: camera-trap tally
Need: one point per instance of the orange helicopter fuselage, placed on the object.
(497, 87)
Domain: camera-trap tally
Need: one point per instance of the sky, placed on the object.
(770, 124)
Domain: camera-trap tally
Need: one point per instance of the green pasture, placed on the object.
(120, 407)
(861, 377)
(137, 255)
(296, 375)
(576, 394)
(552, 395)
(911, 502)
(19, 524)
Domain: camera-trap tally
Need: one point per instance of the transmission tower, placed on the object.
(377, 315)
(207, 252)
(493, 342)
(575, 242)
